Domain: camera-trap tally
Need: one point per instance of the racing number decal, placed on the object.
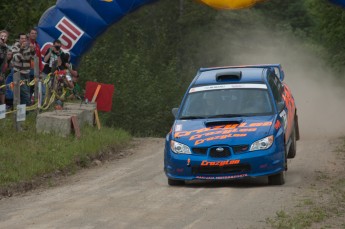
(284, 118)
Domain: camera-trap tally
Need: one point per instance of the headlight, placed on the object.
(264, 143)
(179, 148)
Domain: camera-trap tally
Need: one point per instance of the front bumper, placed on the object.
(236, 166)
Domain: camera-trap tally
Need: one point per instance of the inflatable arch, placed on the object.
(339, 2)
(78, 22)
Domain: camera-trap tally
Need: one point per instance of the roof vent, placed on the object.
(229, 76)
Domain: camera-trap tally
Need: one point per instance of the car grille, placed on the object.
(225, 153)
(240, 148)
(202, 151)
(217, 154)
(221, 169)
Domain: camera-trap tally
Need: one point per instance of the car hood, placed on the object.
(229, 131)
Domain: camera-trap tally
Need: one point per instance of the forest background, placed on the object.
(152, 54)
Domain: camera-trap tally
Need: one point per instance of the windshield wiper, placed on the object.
(227, 116)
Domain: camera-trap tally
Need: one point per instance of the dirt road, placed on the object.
(133, 193)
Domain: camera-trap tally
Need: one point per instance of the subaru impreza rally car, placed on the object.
(233, 122)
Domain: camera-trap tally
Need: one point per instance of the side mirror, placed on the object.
(281, 106)
(175, 111)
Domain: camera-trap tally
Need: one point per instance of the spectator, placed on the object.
(52, 58)
(7, 66)
(77, 92)
(8, 69)
(67, 65)
(23, 52)
(3, 61)
(32, 37)
(65, 74)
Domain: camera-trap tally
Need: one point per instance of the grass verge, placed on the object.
(26, 156)
(326, 210)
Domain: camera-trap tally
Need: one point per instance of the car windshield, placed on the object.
(234, 102)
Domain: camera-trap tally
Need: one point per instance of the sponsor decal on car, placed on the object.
(178, 127)
(283, 115)
(219, 163)
(220, 132)
(200, 141)
(221, 177)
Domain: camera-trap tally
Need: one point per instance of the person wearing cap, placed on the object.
(52, 58)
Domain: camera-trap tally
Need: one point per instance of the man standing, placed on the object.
(33, 37)
(23, 52)
(3, 61)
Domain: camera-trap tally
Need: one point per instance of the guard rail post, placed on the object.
(16, 98)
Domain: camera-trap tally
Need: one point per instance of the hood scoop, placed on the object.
(221, 123)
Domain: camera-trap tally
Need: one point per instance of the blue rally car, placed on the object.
(233, 122)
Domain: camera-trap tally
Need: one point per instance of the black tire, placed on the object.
(297, 128)
(172, 182)
(293, 146)
(277, 179)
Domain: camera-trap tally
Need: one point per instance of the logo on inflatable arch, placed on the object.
(70, 35)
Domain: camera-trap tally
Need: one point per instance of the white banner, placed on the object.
(2, 111)
(227, 86)
(21, 112)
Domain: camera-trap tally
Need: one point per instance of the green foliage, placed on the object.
(282, 14)
(300, 220)
(316, 21)
(328, 29)
(19, 16)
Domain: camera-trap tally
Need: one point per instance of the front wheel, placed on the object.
(172, 182)
(277, 179)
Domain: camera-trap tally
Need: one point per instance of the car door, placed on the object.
(282, 95)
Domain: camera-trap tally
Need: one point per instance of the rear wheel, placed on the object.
(293, 148)
(172, 182)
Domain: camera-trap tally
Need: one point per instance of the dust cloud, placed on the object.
(319, 97)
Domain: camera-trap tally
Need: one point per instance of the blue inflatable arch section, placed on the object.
(77, 23)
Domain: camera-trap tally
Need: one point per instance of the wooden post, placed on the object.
(36, 75)
(75, 125)
(38, 93)
(16, 98)
(97, 120)
(96, 93)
